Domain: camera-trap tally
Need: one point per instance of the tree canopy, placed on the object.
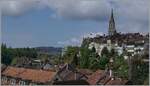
(8, 54)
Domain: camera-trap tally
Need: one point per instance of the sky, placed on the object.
(58, 23)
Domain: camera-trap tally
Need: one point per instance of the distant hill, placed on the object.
(49, 50)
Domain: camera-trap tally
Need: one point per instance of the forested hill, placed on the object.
(8, 54)
(49, 50)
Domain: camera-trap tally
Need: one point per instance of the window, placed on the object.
(19, 82)
(4, 78)
(32, 84)
(13, 81)
(22, 83)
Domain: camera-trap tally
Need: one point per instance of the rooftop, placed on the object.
(94, 78)
(117, 81)
(38, 76)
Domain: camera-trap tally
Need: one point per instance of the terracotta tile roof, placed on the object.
(85, 71)
(94, 78)
(40, 76)
(102, 78)
(117, 81)
(71, 76)
(104, 81)
(3, 67)
(68, 72)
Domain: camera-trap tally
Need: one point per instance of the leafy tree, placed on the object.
(85, 57)
(14, 61)
(56, 59)
(90, 59)
(93, 50)
(99, 63)
(75, 60)
(120, 67)
(7, 55)
(103, 62)
(86, 42)
(94, 57)
(105, 52)
(140, 71)
(70, 54)
(113, 53)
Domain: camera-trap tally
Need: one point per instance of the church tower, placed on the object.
(112, 28)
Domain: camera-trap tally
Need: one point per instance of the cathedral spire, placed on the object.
(112, 28)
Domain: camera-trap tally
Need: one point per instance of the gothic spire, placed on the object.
(112, 16)
(112, 28)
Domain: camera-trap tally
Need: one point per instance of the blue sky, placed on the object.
(54, 24)
(37, 28)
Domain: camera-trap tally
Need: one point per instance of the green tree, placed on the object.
(113, 53)
(14, 61)
(85, 42)
(99, 63)
(103, 62)
(120, 67)
(75, 60)
(93, 59)
(105, 52)
(90, 59)
(84, 57)
(70, 54)
(7, 55)
(140, 71)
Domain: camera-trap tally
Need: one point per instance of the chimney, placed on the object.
(67, 67)
(110, 73)
(75, 75)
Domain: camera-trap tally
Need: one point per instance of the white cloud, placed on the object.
(133, 10)
(80, 9)
(78, 40)
(129, 13)
(92, 34)
(18, 7)
(72, 42)
(132, 16)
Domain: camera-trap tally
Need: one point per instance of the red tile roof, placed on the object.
(85, 71)
(101, 77)
(40, 76)
(104, 80)
(69, 73)
(94, 78)
(116, 81)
